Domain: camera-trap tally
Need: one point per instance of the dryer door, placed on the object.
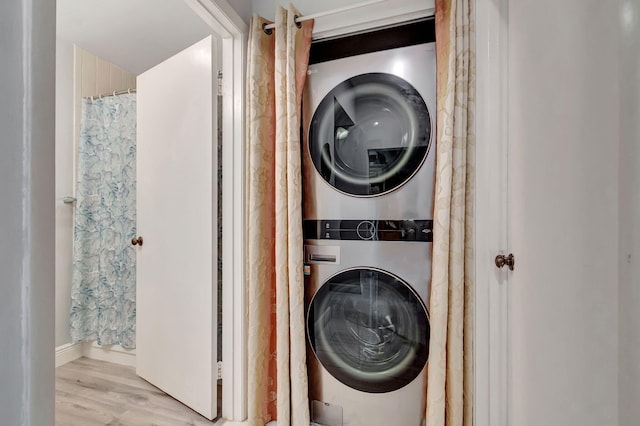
(370, 134)
(369, 330)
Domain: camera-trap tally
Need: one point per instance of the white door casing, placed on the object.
(491, 307)
(176, 205)
(232, 31)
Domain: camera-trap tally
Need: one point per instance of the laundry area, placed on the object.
(368, 177)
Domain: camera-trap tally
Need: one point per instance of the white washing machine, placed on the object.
(369, 132)
(368, 331)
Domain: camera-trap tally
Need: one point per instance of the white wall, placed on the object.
(629, 203)
(95, 76)
(242, 8)
(64, 187)
(26, 216)
(13, 241)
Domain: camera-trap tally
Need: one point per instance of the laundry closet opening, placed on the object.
(368, 160)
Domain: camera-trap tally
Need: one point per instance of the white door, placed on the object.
(562, 213)
(176, 266)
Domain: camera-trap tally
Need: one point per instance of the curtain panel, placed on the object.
(277, 65)
(450, 369)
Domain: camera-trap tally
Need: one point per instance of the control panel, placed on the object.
(369, 230)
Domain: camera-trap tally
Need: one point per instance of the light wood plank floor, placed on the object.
(97, 393)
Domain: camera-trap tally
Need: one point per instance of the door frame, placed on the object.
(232, 31)
(491, 308)
(491, 354)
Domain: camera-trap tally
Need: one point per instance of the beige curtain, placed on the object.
(277, 66)
(450, 370)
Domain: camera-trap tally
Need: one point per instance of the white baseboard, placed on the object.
(112, 353)
(223, 422)
(67, 353)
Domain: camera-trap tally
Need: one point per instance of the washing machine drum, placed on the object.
(370, 134)
(369, 330)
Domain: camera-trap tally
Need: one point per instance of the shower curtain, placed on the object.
(103, 306)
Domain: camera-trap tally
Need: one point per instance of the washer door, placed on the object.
(370, 134)
(369, 330)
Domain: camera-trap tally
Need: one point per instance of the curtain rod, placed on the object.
(105, 95)
(326, 13)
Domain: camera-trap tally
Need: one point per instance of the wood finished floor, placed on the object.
(97, 393)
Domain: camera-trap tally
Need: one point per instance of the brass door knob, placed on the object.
(136, 241)
(502, 260)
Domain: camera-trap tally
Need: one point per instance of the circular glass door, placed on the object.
(369, 330)
(370, 134)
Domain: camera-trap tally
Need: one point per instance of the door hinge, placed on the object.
(219, 370)
(219, 83)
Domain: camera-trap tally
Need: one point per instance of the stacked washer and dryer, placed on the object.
(368, 176)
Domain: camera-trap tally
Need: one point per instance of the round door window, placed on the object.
(370, 134)
(369, 330)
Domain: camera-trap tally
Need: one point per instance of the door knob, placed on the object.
(508, 260)
(136, 241)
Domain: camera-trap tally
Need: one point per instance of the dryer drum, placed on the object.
(370, 134)
(369, 330)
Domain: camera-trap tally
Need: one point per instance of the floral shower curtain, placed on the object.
(277, 67)
(103, 306)
(450, 369)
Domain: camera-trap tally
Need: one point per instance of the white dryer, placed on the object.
(369, 132)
